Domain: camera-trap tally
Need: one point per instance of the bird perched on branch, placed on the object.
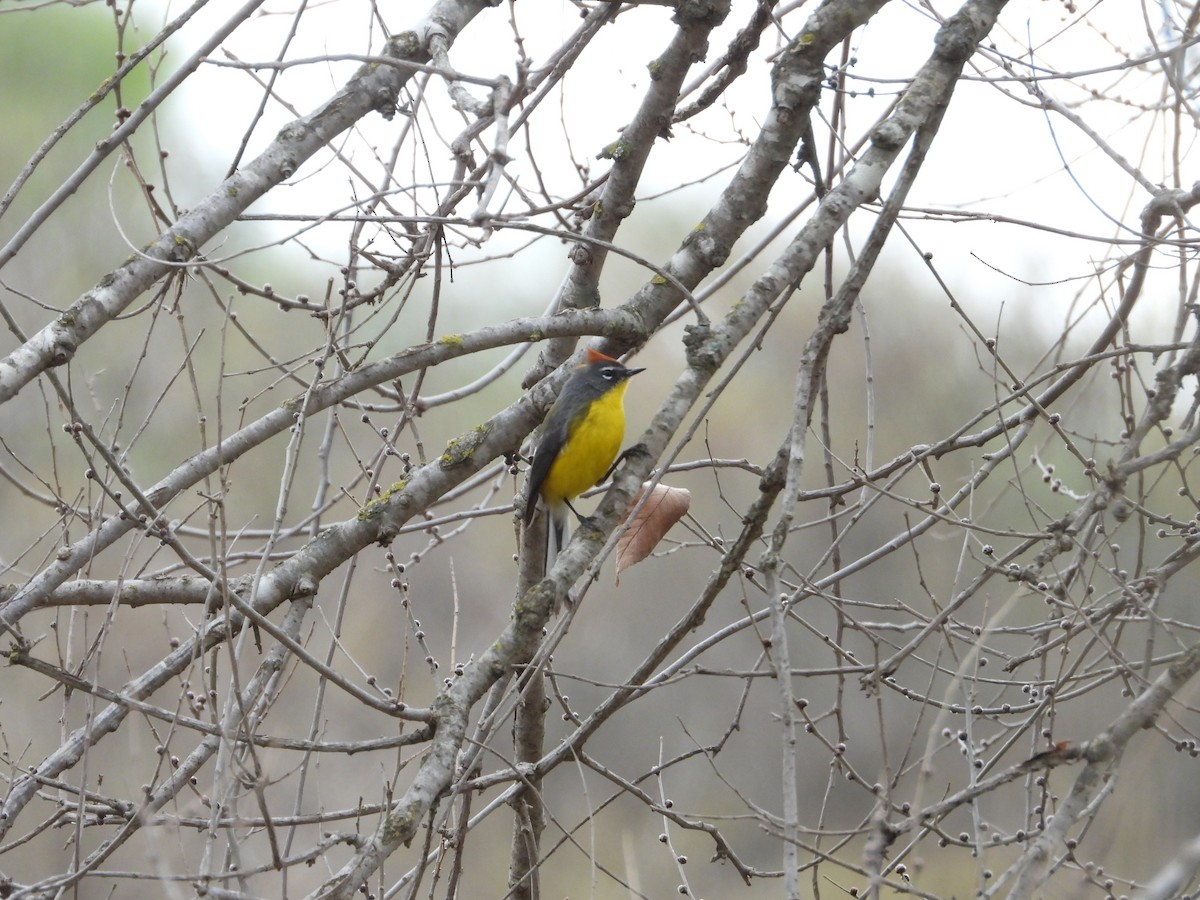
(580, 438)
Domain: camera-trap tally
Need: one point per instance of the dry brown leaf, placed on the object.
(664, 508)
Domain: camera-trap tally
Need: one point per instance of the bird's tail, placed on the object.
(558, 529)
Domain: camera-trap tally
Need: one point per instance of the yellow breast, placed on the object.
(592, 445)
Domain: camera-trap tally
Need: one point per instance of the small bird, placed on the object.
(580, 438)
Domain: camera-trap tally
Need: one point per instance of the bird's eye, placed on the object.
(608, 372)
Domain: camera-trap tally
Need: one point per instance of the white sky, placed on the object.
(993, 154)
